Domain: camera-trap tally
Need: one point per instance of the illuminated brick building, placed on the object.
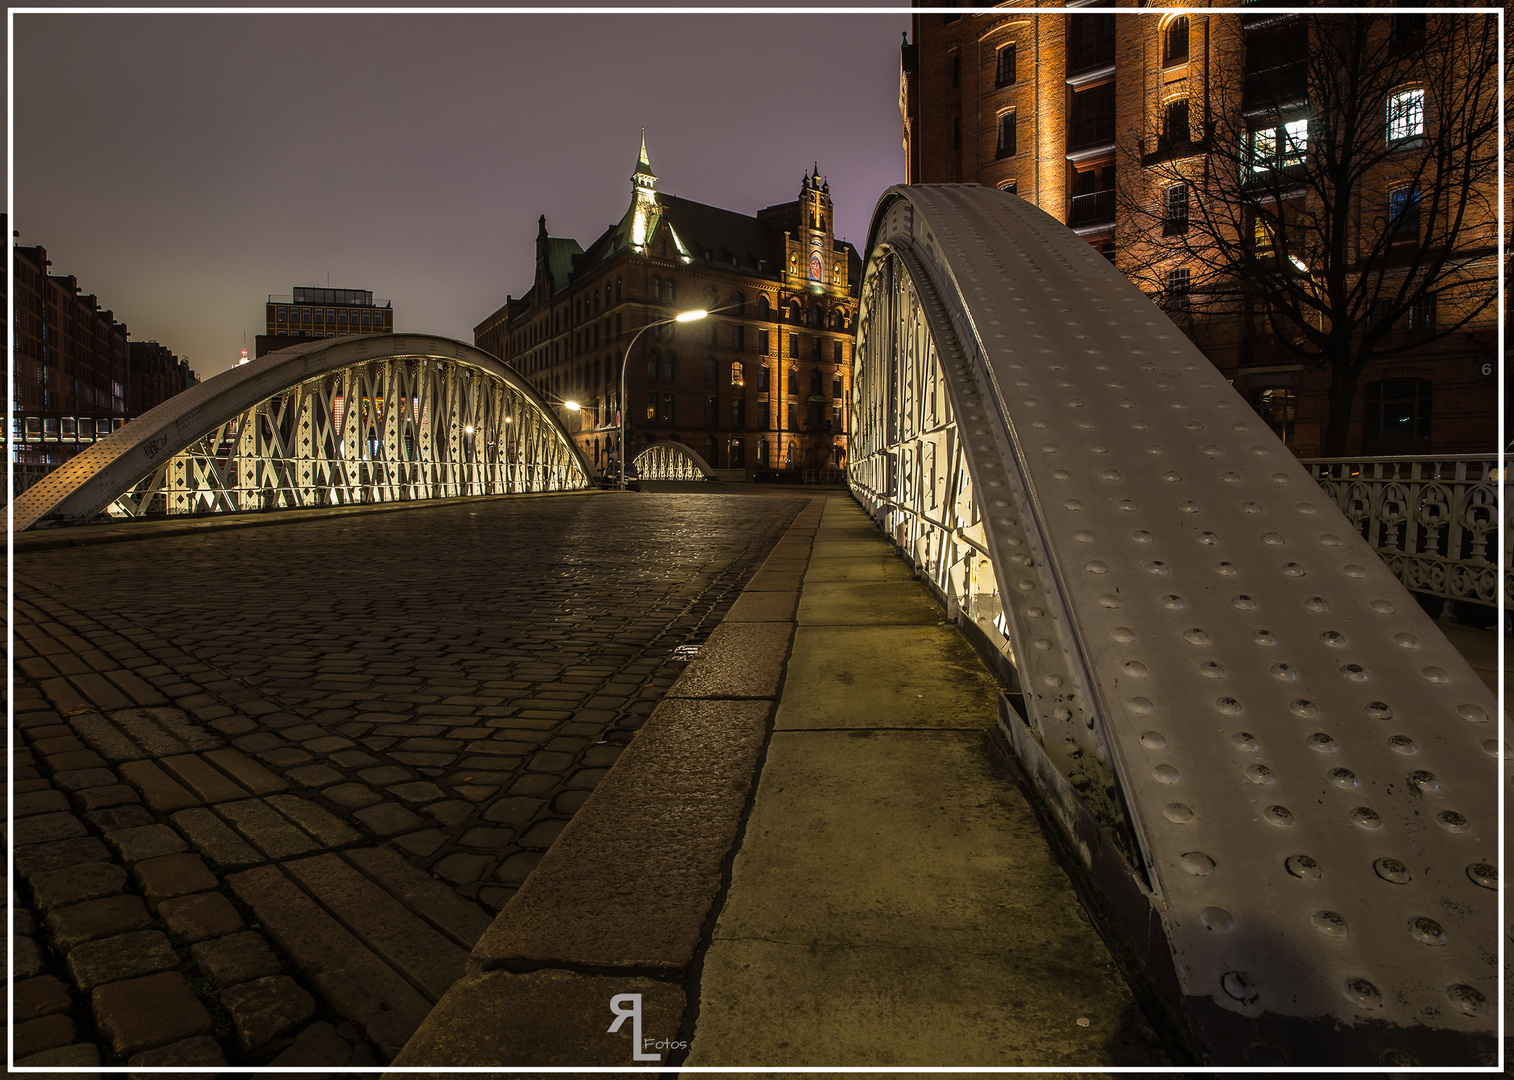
(1114, 123)
(758, 386)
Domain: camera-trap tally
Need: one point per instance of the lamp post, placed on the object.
(682, 316)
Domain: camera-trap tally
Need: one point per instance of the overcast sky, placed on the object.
(183, 167)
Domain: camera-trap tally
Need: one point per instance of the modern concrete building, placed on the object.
(760, 385)
(1186, 149)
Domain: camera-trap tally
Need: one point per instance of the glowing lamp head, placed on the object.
(572, 406)
(468, 430)
(690, 316)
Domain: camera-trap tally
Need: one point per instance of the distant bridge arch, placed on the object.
(1280, 779)
(384, 418)
(670, 460)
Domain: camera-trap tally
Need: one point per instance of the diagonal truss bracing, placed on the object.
(331, 423)
(1279, 779)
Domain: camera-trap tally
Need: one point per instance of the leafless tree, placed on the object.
(1338, 192)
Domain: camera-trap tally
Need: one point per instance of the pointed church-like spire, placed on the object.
(643, 166)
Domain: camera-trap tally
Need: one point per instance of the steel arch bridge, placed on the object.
(1277, 779)
(338, 421)
(669, 460)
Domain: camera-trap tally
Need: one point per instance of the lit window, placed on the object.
(1406, 115)
(736, 375)
(282, 317)
(1295, 142)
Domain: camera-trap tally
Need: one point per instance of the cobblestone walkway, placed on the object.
(272, 782)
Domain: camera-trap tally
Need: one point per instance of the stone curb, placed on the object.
(121, 532)
(618, 905)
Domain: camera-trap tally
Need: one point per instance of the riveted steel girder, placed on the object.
(1280, 779)
(337, 421)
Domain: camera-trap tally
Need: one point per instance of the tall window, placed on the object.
(1175, 122)
(654, 364)
(1178, 282)
(670, 290)
(763, 309)
(669, 362)
(667, 408)
(764, 342)
(1007, 133)
(1403, 214)
(1175, 47)
(1398, 410)
(738, 338)
(1005, 70)
(1175, 209)
(657, 288)
(738, 413)
(762, 377)
(711, 411)
(793, 387)
(765, 415)
(793, 344)
(1277, 147)
(1406, 115)
(738, 305)
(738, 454)
(736, 375)
(710, 335)
(836, 352)
(710, 369)
(651, 404)
(762, 454)
(709, 299)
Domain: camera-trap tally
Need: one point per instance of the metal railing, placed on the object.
(1091, 208)
(1433, 521)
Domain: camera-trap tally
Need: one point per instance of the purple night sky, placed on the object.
(183, 167)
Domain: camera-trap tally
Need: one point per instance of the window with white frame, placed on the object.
(1175, 208)
(1406, 115)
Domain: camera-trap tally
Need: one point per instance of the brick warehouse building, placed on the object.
(77, 377)
(759, 386)
(1093, 118)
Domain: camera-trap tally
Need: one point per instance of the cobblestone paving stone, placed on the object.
(270, 783)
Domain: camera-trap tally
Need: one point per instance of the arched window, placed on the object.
(669, 362)
(710, 370)
(709, 299)
(607, 294)
(654, 361)
(672, 290)
(1175, 121)
(619, 295)
(738, 304)
(793, 380)
(762, 377)
(1175, 48)
(596, 302)
(736, 375)
(657, 288)
(793, 311)
(764, 310)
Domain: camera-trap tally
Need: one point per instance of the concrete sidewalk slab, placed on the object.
(885, 567)
(885, 674)
(853, 603)
(777, 1004)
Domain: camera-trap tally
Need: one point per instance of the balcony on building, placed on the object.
(1091, 208)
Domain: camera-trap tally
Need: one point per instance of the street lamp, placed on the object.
(683, 316)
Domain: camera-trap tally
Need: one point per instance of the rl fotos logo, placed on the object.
(629, 1006)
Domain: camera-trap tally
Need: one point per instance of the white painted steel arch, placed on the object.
(1280, 779)
(383, 418)
(670, 460)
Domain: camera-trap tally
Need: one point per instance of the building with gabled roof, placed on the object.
(759, 386)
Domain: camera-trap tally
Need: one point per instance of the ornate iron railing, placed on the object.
(1434, 521)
